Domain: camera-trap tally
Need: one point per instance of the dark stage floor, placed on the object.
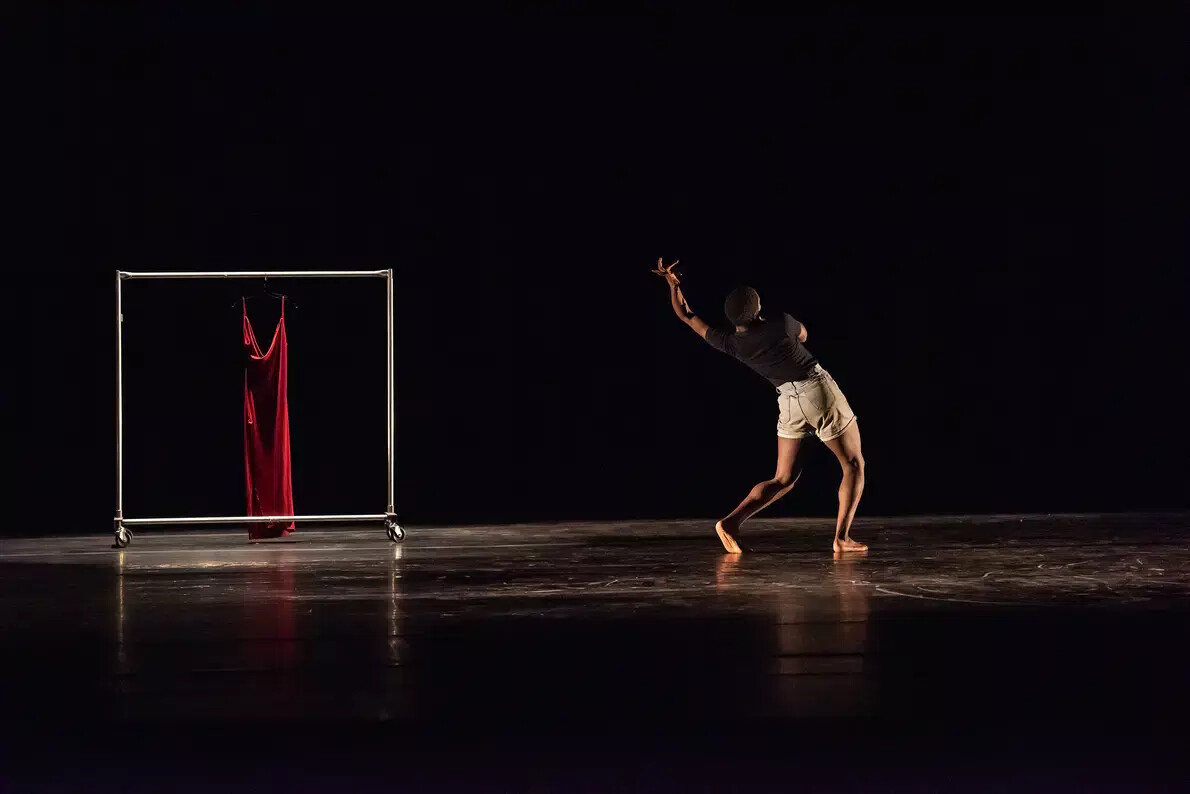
(1045, 632)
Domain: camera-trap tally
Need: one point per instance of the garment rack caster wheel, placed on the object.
(394, 531)
(122, 538)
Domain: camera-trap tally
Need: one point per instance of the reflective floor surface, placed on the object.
(588, 641)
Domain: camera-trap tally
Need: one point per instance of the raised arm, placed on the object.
(684, 312)
(678, 301)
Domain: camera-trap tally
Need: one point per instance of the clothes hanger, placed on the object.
(265, 293)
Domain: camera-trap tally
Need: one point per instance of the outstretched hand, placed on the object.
(668, 273)
(677, 300)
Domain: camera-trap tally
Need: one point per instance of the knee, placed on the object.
(853, 466)
(785, 480)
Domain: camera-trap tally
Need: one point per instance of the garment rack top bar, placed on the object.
(260, 274)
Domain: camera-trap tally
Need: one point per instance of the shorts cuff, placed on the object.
(840, 431)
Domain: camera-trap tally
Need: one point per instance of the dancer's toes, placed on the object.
(847, 544)
(728, 538)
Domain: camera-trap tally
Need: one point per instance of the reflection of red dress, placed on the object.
(266, 430)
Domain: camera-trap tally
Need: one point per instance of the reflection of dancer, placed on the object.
(808, 399)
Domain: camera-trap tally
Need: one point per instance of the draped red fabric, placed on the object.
(266, 430)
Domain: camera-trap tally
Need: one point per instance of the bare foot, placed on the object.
(847, 544)
(728, 539)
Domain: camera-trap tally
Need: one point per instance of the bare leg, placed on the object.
(847, 449)
(762, 494)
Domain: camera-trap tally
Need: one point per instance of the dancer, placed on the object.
(808, 400)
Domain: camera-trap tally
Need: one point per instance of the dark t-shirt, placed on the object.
(770, 348)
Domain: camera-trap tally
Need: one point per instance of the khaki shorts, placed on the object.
(814, 405)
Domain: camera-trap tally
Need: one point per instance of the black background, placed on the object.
(980, 220)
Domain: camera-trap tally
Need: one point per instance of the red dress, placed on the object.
(266, 430)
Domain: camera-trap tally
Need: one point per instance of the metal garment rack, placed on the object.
(123, 536)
